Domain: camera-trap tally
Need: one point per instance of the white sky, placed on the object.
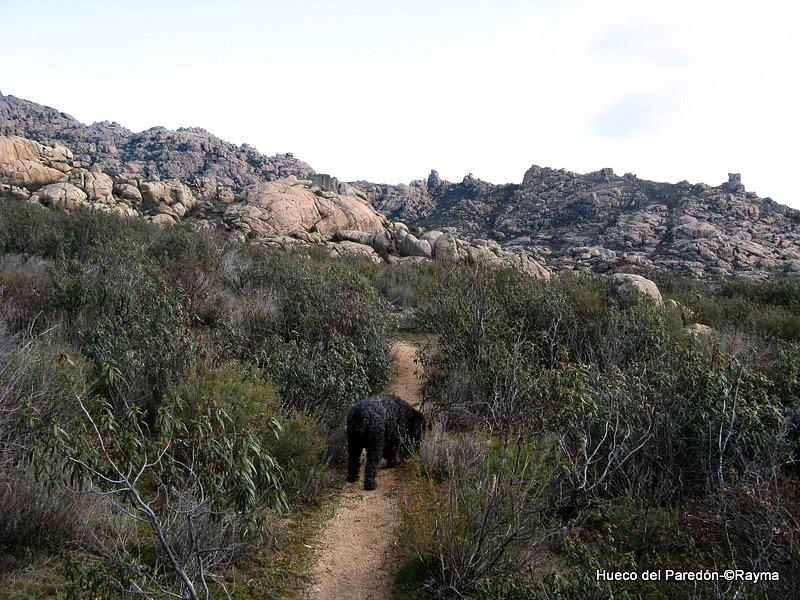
(385, 91)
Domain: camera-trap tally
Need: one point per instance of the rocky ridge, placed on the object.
(598, 221)
(192, 177)
(193, 155)
(602, 221)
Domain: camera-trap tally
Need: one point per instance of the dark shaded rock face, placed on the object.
(158, 153)
(602, 221)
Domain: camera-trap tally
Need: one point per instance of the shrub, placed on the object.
(38, 378)
(189, 490)
(299, 449)
(251, 401)
(489, 521)
(415, 285)
(319, 329)
(240, 390)
(499, 331)
(324, 378)
(191, 262)
(21, 282)
(36, 516)
(90, 235)
(442, 454)
(27, 229)
(190, 331)
(321, 307)
(628, 411)
(129, 322)
(762, 307)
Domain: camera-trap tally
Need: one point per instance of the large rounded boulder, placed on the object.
(274, 207)
(627, 283)
(28, 163)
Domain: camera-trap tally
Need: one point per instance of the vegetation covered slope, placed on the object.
(171, 402)
(165, 396)
(578, 430)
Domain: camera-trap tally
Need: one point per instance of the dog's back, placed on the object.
(375, 424)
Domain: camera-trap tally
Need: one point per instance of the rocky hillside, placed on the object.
(167, 177)
(601, 220)
(192, 155)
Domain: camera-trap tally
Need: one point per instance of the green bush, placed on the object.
(324, 378)
(322, 306)
(299, 449)
(38, 379)
(767, 307)
(189, 331)
(193, 490)
(318, 328)
(92, 236)
(28, 229)
(129, 322)
(240, 390)
(491, 518)
(627, 409)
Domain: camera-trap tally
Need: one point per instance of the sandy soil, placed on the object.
(355, 555)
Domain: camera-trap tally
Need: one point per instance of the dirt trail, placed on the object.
(356, 551)
(405, 380)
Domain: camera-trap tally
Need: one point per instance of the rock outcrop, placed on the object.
(274, 208)
(597, 222)
(189, 154)
(63, 195)
(397, 244)
(629, 283)
(26, 162)
(97, 185)
(602, 222)
(320, 211)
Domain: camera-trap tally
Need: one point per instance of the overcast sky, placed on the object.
(386, 91)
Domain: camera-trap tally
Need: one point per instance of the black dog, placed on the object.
(380, 424)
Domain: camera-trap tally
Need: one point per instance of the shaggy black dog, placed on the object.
(380, 424)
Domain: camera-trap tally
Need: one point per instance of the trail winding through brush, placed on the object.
(356, 552)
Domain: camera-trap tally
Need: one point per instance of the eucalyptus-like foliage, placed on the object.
(188, 493)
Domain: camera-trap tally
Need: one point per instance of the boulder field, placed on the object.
(287, 211)
(599, 221)
(602, 221)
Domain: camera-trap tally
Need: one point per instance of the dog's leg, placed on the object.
(392, 452)
(374, 454)
(353, 460)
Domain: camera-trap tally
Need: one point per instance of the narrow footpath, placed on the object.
(356, 552)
